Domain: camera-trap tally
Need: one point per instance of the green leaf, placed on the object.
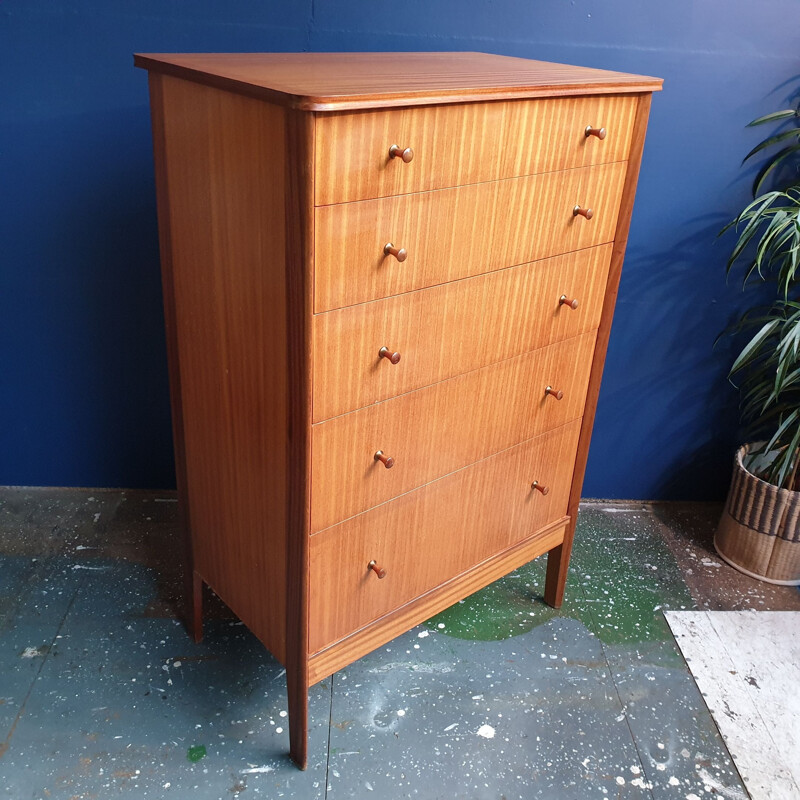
(794, 133)
(771, 165)
(774, 116)
(752, 347)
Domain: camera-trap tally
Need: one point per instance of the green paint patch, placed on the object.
(628, 577)
(621, 579)
(508, 607)
(196, 752)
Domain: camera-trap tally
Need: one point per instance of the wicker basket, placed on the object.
(759, 533)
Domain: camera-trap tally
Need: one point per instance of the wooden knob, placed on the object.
(565, 301)
(385, 352)
(379, 571)
(390, 250)
(600, 133)
(557, 393)
(406, 154)
(387, 461)
(583, 212)
(539, 488)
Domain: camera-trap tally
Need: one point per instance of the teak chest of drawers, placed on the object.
(388, 284)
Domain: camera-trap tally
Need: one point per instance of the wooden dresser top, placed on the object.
(341, 81)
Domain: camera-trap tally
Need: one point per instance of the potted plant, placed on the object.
(759, 532)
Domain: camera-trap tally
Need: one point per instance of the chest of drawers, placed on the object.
(388, 287)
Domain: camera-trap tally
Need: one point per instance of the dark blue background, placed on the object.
(84, 397)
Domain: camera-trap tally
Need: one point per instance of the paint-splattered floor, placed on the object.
(103, 695)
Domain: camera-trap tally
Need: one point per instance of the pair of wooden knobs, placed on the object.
(406, 154)
(381, 572)
(393, 357)
(388, 461)
(401, 254)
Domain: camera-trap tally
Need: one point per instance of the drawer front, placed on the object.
(434, 431)
(457, 233)
(450, 329)
(459, 144)
(430, 535)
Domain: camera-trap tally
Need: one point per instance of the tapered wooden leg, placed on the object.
(298, 718)
(196, 608)
(557, 566)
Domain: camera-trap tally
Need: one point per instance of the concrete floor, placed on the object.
(102, 693)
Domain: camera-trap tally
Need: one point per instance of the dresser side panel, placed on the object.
(226, 169)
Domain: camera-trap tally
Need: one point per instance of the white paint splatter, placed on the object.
(620, 780)
(416, 667)
(692, 796)
(176, 663)
(278, 730)
(641, 783)
(487, 731)
(673, 781)
(661, 767)
(369, 786)
(440, 625)
(719, 788)
(31, 652)
(401, 712)
(450, 727)
(423, 634)
(636, 770)
(84, 547)
(255, 770)
(84, 566)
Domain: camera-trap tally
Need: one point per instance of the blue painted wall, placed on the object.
(83, 398)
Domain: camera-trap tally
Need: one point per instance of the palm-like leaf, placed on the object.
(767, 370)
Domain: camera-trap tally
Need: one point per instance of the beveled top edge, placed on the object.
(347, 81)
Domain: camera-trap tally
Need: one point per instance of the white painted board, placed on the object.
(747, 665)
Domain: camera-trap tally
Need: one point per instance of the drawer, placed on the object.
(459, 144)
(434, 431)
(457, 233)
(430, 535)
(453, 328)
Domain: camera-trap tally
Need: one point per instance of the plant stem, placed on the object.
(790, 484)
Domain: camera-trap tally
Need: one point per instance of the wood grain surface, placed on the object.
(461, 144)
(335, 81)
(274, 218)
(430, 535)
(192, 592)
(459, 232)
(229, 292)
(436, 430)
(299, 264)
(453, 328)
(385, 628)
(558, 560)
